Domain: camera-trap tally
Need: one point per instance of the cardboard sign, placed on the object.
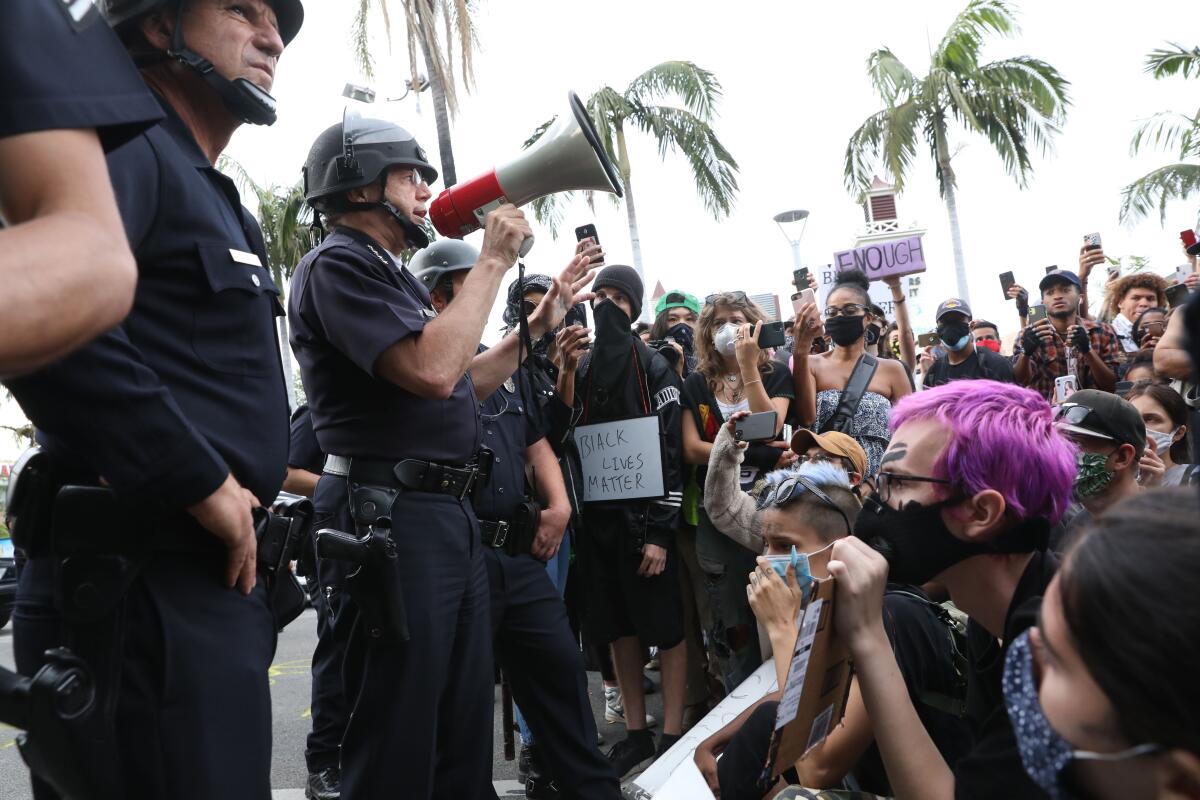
(884, 259)
(622, 459)
(818, 682)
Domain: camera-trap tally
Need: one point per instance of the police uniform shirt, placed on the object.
(303, 451)
(349, 303)
(63, 67)
(190, 387)
(509, 428)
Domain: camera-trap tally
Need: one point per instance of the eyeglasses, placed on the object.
(732, 297)
(790, 488)
(414, 177)
(848, 310)
(885, 482)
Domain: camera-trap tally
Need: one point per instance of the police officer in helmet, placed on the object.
(169, 431)
(396, 411)
(532, 637)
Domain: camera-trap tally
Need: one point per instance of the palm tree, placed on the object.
(1176, 132)
(428, 24)
(1013, 102)
(685, 130)
(285, 219)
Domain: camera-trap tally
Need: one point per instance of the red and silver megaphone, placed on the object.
(568, 156)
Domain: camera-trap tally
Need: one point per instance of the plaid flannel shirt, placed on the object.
(1050, 360)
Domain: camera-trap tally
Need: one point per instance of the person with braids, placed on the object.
(822, 401)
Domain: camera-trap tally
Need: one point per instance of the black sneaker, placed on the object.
(541, 787)
(665, 742)
(632, 753)
(324, 785)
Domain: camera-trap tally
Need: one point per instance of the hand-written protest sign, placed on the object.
(884, 259)
(622, 459)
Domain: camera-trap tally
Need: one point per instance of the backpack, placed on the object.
(955, 623)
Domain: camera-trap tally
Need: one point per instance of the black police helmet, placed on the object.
(441, 258)
(123, 13)
(376, 144)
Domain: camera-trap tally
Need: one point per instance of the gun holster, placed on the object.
(375, 583)
(281, 533)
(29, 498)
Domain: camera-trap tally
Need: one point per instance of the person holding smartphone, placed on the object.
(1064, 343)
(965, 358)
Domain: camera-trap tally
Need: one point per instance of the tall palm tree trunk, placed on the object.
(631, 212)
(960, 268)
(441, 115)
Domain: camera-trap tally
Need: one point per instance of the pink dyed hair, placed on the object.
(1003, 438)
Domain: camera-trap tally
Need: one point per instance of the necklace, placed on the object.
(731, 378)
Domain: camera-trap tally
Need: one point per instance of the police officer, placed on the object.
(176, 425)
(70, 94)
(533, 640)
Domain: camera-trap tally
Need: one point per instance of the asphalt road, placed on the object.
(290, 695)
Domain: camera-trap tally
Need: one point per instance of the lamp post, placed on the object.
(365, 94)
(791, 225)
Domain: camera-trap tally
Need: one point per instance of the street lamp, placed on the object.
(791, 224)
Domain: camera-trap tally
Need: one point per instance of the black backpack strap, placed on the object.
(852, 395)
(953, 704)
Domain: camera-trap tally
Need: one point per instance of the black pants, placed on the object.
(335, 618)
(541, 658)
(184, 663)
(421, 711)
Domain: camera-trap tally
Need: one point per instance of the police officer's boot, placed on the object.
(324, 785)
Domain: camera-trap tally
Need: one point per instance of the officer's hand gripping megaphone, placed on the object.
(568, 156)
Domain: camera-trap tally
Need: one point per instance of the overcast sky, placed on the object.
(795, 88)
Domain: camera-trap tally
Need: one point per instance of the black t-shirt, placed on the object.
(349, 303)
(993, 767)
(923, 648)
(983, 364)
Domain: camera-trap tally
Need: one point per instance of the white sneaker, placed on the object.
(614, 708)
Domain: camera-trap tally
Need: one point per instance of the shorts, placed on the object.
(618, 601)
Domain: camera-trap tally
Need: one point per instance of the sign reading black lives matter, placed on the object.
(622, 459)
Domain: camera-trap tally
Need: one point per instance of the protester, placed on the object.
(964, 359)
(1140, 367)
(1126, 299)
(1165, 416)
(821, 380)
(1148, 328)
(675, 318)
(987, 335)
(973, 478)
(733, 374)
(1102, 693)
(1064, 343)
(804, 510)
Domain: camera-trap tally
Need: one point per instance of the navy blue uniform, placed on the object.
(421, 716)
(63, 68)
(186, 391)
(533, 638)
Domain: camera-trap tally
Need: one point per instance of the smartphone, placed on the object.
(1051, 268)
(1177, 295)
(1091, 241)
(927, 339)
(586, 232)
(1037, 313)
(802, 297)
(1007, 281)
(1064, 387)
(800, 279)
(1188, 237)
(758, 427)
(771, 335)
(1122, 388)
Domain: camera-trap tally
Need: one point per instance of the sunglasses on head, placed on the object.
(1076, 414)
(733, 297)
(792, 487)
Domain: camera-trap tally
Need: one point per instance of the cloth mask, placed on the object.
(845, 331)
(918, 546)
(988, 344)
(955, 335)
(1162, 441)
(1092, 475)
(684, 336)
(871, 334)
(725, 340)
(1044, 754)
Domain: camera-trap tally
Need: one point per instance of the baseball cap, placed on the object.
(1102, 415)
(834, 443)
(677, 299)
(952, 306)
(1060, 276)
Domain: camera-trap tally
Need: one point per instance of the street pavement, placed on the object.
(290, 698)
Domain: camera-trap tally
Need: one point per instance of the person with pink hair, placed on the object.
(972, 480)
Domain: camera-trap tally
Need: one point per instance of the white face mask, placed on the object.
(725, 340)
(1162, 441)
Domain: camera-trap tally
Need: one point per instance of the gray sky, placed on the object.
(795, 88)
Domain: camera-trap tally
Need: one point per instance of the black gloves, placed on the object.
(1080, 340)
(1030, 341)
(1023, 303)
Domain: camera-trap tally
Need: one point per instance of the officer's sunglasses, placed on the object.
(792, 487)
(725, 297)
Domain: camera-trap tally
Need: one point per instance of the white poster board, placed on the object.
(621, 459)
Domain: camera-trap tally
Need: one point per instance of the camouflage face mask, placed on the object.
(1092, 475)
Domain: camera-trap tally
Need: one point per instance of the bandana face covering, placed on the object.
(684, 336)
(1044, 754)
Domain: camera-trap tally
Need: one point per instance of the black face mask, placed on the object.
(951, 333)
(918, 546)
(684, 336)
(872, 334)
(844, 331)
(611, 363)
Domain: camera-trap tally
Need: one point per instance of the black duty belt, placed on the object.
(496, 534)
(514, 536)
(410, 474)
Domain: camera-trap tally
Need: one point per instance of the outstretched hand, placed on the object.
(565, 291)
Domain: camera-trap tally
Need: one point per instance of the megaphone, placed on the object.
(568, 156)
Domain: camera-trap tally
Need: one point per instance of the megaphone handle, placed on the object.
(526, 246)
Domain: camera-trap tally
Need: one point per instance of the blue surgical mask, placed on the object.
(1044, 754)
(799, 564)
(1162, 441)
